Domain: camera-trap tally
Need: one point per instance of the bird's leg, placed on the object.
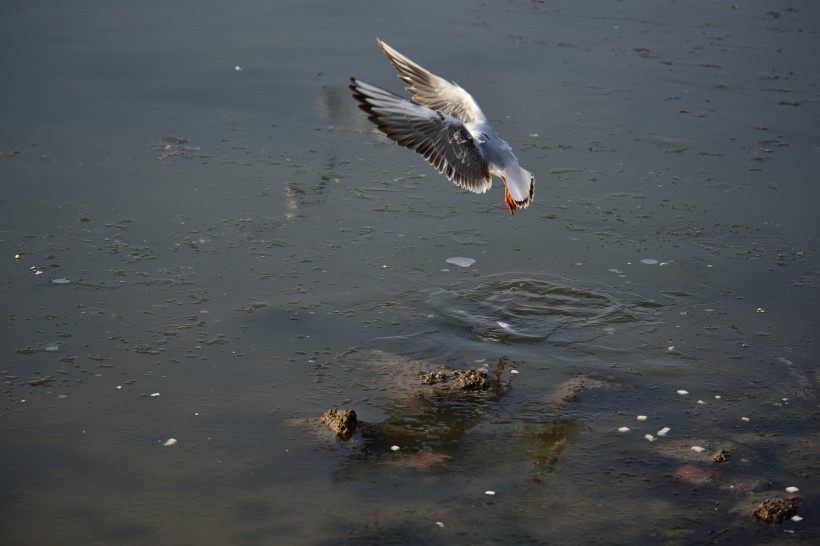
(508, 199)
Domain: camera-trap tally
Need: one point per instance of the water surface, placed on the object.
(203, 240)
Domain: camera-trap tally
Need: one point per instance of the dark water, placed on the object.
(202, 240)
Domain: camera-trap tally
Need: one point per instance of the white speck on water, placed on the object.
(670, 348)
(38, 272)
(61, 280)
(623, 429)
(664, 431)
(641, 417)
(701, 402)
(170, 442)
(16, 256)
(119, 387)
(717, 397)
(489, 492)
(461, 262)
(534, 135)
(760, 310)
(394, 448)
(61, 396)
(440, 524)
(513, 371)
(53, 347)
(792, 489)
(238, 68)
(683, 392)
(698, 449)
(796, 518)
(649, 437)
(504, 325)
(649, 261)
(613, 270)
(154, 394)
(744, 419)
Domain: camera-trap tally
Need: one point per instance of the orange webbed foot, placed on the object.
(508, 199)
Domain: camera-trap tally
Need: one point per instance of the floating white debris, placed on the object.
(796, 518)
(38, 272)
(760, 310)
(440, 524)
(683, 392)
(701, 402)
(504, 325)
(61, 280)
(649, 437)
(641, 418)
(717, 397)
(16, 256)
(461, 262)
(154, 394)
(170, 442)
(664, 431)
(623, 429)
(394, 448)
(670, 348)
(698, 449)
(489, 492)
(119, 387)
(792, 489)
(649, 261)
(744, 419)
(513, 371)
(238, 68)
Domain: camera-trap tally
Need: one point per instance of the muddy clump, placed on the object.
(432, 378)
(472, 380)
(775, 510)
(721, 456)
(341, 421)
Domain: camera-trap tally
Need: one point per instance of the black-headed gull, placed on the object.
(444, 124)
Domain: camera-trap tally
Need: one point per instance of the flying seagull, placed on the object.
(444, 124)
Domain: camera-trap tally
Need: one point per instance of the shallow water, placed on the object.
(203, 240)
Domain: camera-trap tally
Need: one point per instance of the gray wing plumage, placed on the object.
(435, 133)
(434, 91)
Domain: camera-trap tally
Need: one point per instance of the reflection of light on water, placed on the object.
(291, 193)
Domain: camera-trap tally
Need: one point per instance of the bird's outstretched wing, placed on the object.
(438, 136)
(434, 91)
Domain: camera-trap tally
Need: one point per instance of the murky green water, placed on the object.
(203, 241)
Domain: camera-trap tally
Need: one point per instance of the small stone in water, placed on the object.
(462, 262)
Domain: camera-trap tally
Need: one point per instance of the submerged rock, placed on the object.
(341, 421)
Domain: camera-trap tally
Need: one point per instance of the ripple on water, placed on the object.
(539, 309)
